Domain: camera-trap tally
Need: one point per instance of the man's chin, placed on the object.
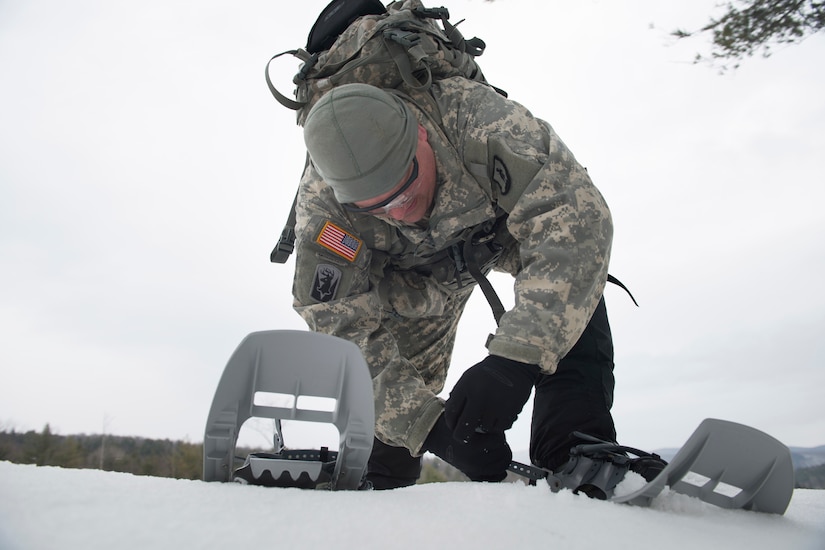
(414, 214)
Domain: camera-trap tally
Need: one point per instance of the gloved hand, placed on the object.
(488, 397)
(485, 458)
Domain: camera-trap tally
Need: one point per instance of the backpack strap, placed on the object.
(286, 243)
(402, 45)
(473, 268)
(475, 46)
(309, 61)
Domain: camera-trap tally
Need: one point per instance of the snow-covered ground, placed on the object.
(44, 507)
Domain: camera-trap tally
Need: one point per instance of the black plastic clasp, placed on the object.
(285, 246)
(405, 38)
(305, 68)
(433, 13)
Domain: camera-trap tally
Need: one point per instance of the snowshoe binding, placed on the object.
(595, 468)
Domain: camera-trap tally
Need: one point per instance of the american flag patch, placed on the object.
(339, 241)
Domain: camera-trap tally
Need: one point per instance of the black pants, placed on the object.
(577, 397)
(392, 467)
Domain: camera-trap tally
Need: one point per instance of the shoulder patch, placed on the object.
(336, 240)
(325, 283)
(501, 175)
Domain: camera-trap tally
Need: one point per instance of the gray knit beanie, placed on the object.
(361, 139)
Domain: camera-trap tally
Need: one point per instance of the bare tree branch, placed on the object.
(749, 26)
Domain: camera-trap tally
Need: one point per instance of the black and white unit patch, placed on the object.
(501, 176)
(325, 283)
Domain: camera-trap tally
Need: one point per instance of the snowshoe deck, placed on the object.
(729, 465)
(723, 463)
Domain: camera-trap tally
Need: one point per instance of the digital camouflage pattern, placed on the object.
(363, 54)
(392, 289)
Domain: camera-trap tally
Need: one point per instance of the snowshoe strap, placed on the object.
(595, 467)
(533, 473)
(595, 477)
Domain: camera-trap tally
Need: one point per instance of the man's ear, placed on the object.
(422, 133)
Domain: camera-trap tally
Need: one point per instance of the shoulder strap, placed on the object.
(309, 61)
(478, 275)
(286, 243)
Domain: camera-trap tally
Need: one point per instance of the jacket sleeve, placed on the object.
(559, 218)
(336, 290)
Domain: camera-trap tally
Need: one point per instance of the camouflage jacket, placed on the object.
(395, 290)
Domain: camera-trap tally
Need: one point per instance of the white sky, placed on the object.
(146, 172)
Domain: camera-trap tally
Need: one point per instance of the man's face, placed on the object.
(413, 203)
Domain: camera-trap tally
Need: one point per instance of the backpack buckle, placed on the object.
(284, 247)
(407, 39)
(432, 13)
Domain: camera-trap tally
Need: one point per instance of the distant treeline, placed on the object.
(139, 456)
(811, 478)
(183, 460)
(135, 455)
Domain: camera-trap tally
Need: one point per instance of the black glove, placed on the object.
(485, 458)
(488, 397)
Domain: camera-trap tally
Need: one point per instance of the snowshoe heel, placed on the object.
(293, 364)
(302, 469)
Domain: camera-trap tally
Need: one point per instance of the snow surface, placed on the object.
(46, 507)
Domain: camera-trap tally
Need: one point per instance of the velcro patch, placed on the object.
(501, 175)
(325, 283)
(340, 242)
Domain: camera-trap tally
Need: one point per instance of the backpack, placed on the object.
(400, 46)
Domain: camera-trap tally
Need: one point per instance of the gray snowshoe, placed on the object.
(723, 463)
(728, 465)
(293, 364)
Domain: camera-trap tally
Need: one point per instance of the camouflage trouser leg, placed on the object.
(407, 391)
(427, 342)
(578, 397)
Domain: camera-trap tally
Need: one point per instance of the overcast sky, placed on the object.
(146, 172)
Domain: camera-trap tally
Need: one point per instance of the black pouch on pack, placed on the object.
(335, 18)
